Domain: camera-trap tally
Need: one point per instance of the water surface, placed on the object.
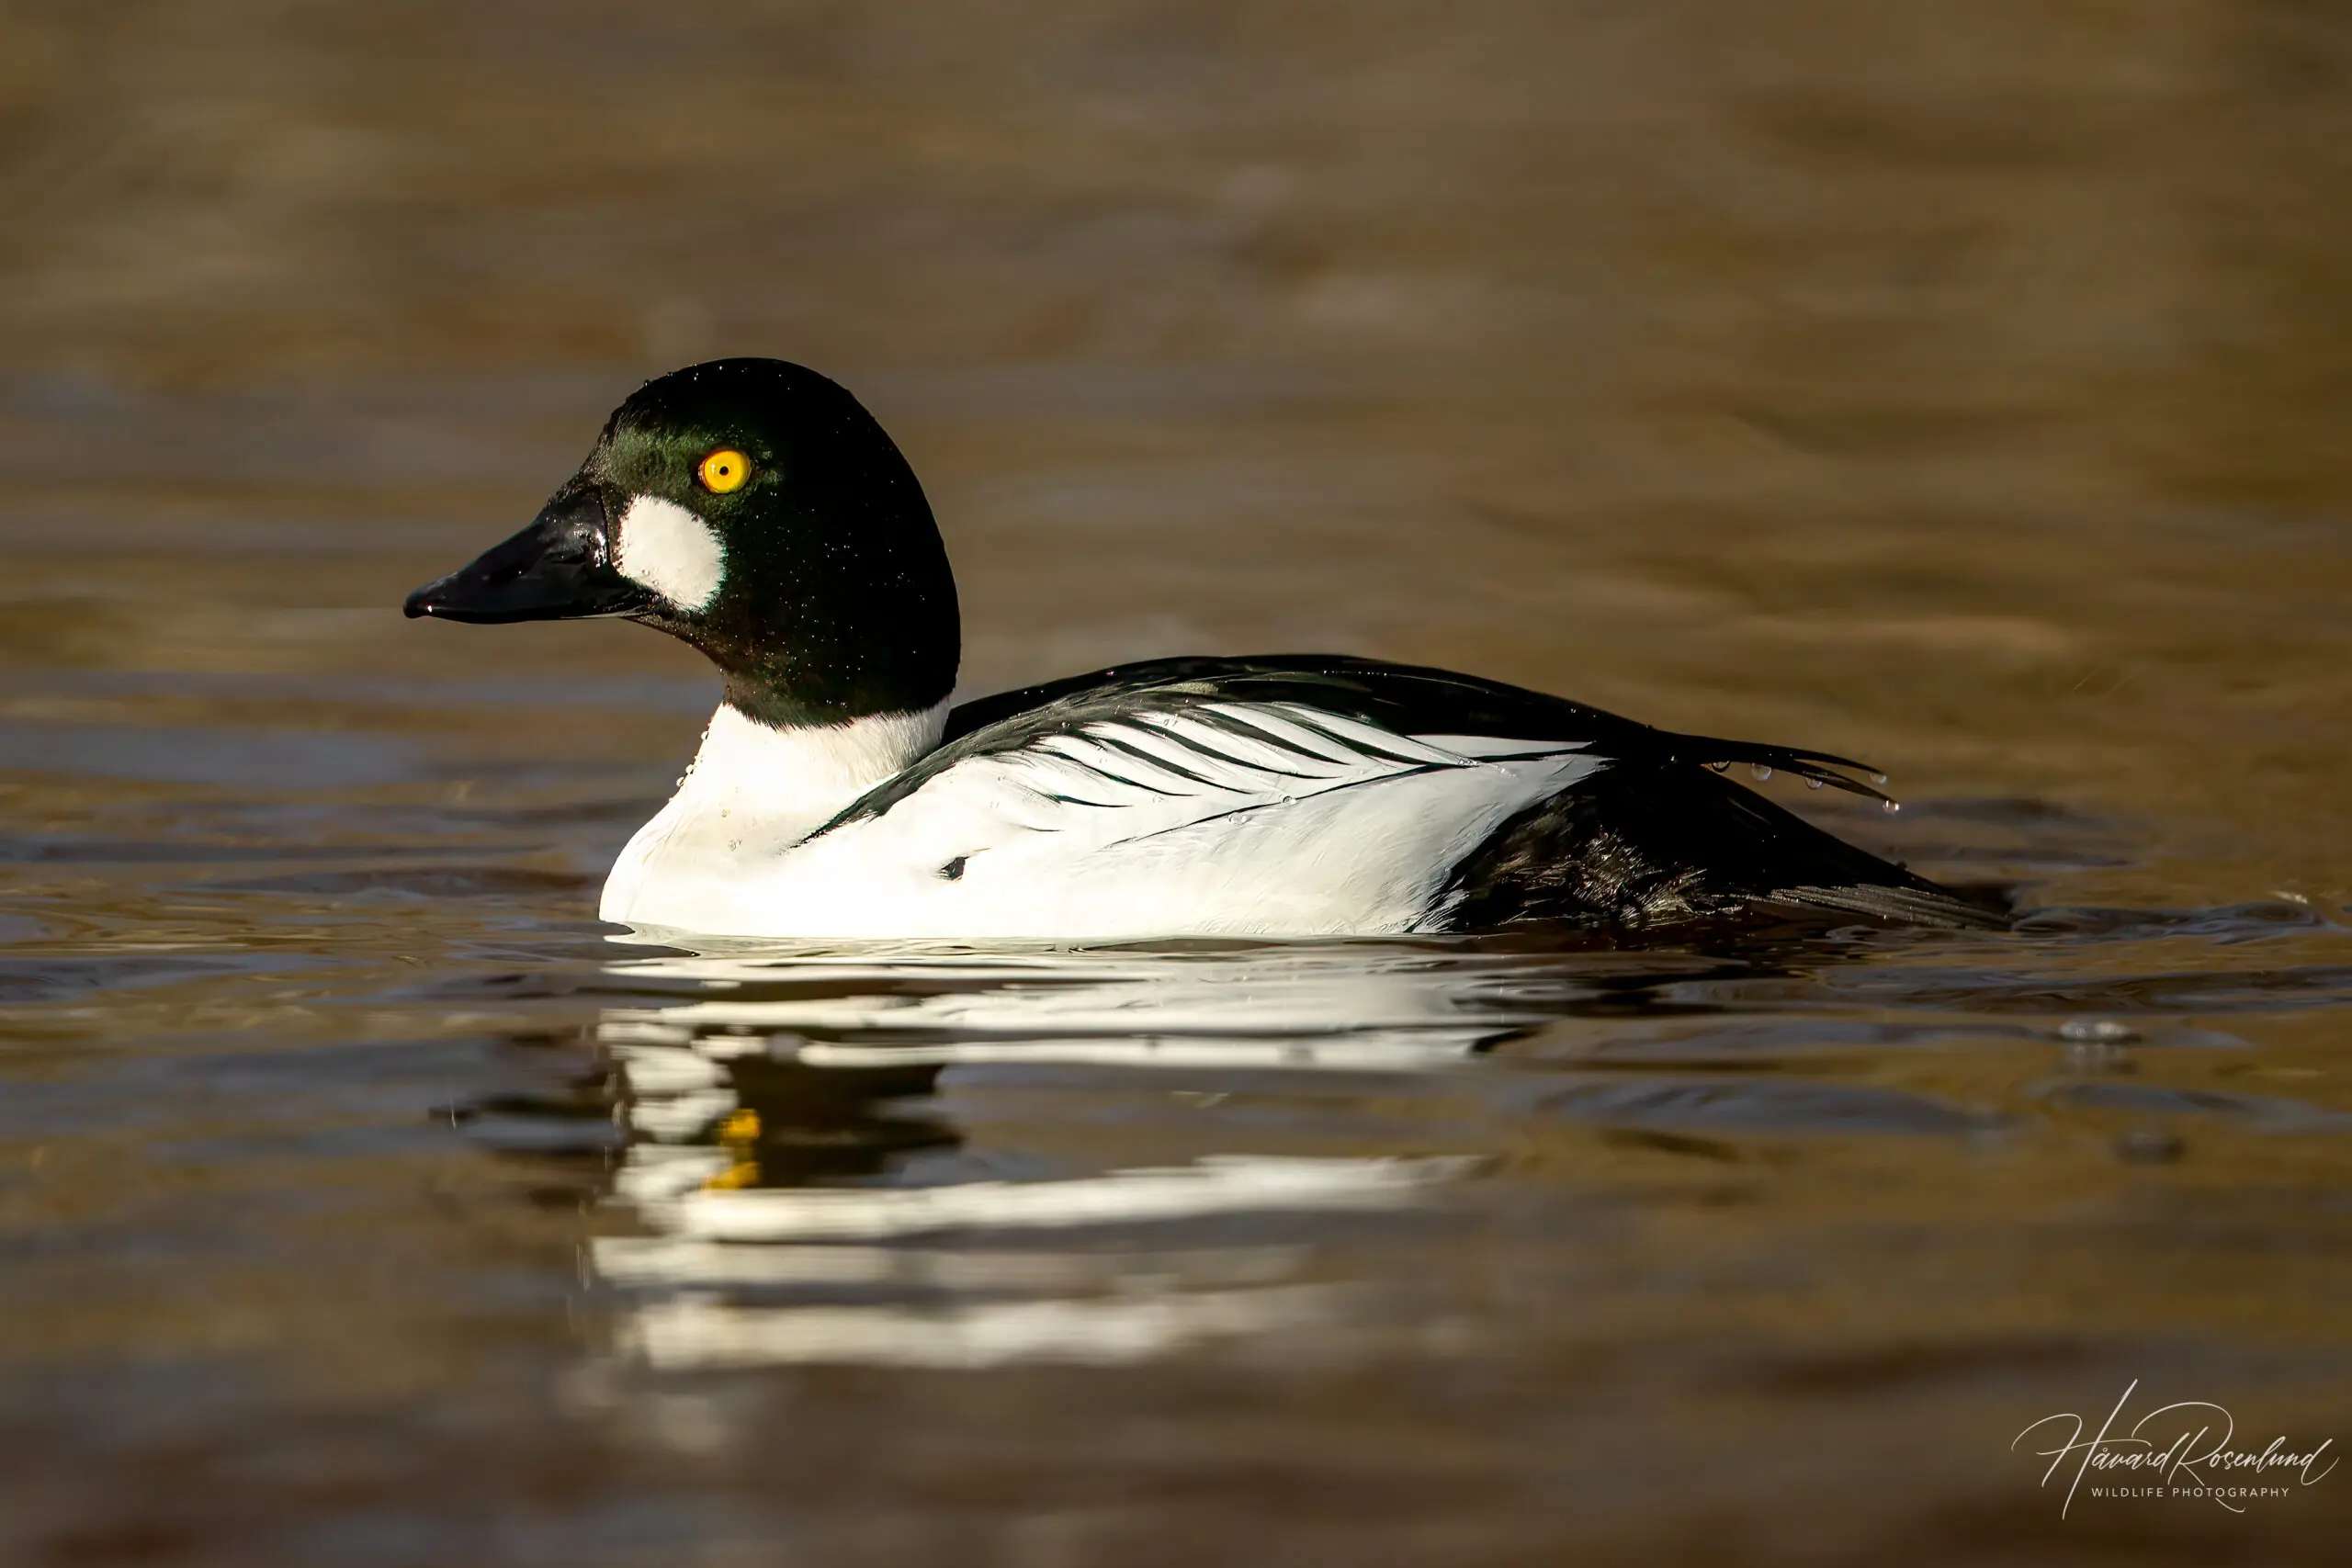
(1958, 391)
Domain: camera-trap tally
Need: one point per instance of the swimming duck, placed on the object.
(754, 509)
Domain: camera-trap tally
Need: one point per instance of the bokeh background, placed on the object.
(1960, 386)
(1964, 388)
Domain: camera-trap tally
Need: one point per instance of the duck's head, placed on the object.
(754, 509)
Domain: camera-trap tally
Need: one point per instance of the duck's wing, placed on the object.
(1157, 758)
(1195, 804)
(1392, 796)
(1404, 699)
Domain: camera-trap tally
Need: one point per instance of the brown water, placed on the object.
(1961, 387)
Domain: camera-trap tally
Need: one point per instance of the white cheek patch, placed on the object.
(671, 551)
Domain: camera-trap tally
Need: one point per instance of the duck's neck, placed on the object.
(754, 791)
(824, 766)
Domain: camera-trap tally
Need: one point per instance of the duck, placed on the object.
(755, 510)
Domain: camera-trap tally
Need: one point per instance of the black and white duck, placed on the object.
(754, 509)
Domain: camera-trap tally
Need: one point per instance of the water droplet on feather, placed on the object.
(1760, 771)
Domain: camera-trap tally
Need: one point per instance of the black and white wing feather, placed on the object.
(1404, 699)
(1183, 808)
(1318, 793)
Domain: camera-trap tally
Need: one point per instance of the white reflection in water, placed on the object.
(1376, 1050)
(671, 1260)
(768, 1059)
(1219, 1184)
(689, 1332)
(1264, 993)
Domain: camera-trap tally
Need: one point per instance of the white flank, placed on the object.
(671, 551)
(1154, 824)
(753, 793)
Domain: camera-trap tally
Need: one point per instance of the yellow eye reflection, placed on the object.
(724, 469)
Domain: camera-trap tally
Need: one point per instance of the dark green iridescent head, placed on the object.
(754, 509)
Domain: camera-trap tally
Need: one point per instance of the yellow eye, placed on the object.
(725, 469)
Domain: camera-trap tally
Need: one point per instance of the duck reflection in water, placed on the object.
(805, 1187)
(933, 1154)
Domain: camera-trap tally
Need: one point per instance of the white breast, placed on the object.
(1238, 819)
(752, 794)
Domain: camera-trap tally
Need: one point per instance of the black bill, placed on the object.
(555, 570)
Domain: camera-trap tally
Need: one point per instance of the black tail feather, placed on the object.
(1652, 846)
(1817, 767)
(1930, 906)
